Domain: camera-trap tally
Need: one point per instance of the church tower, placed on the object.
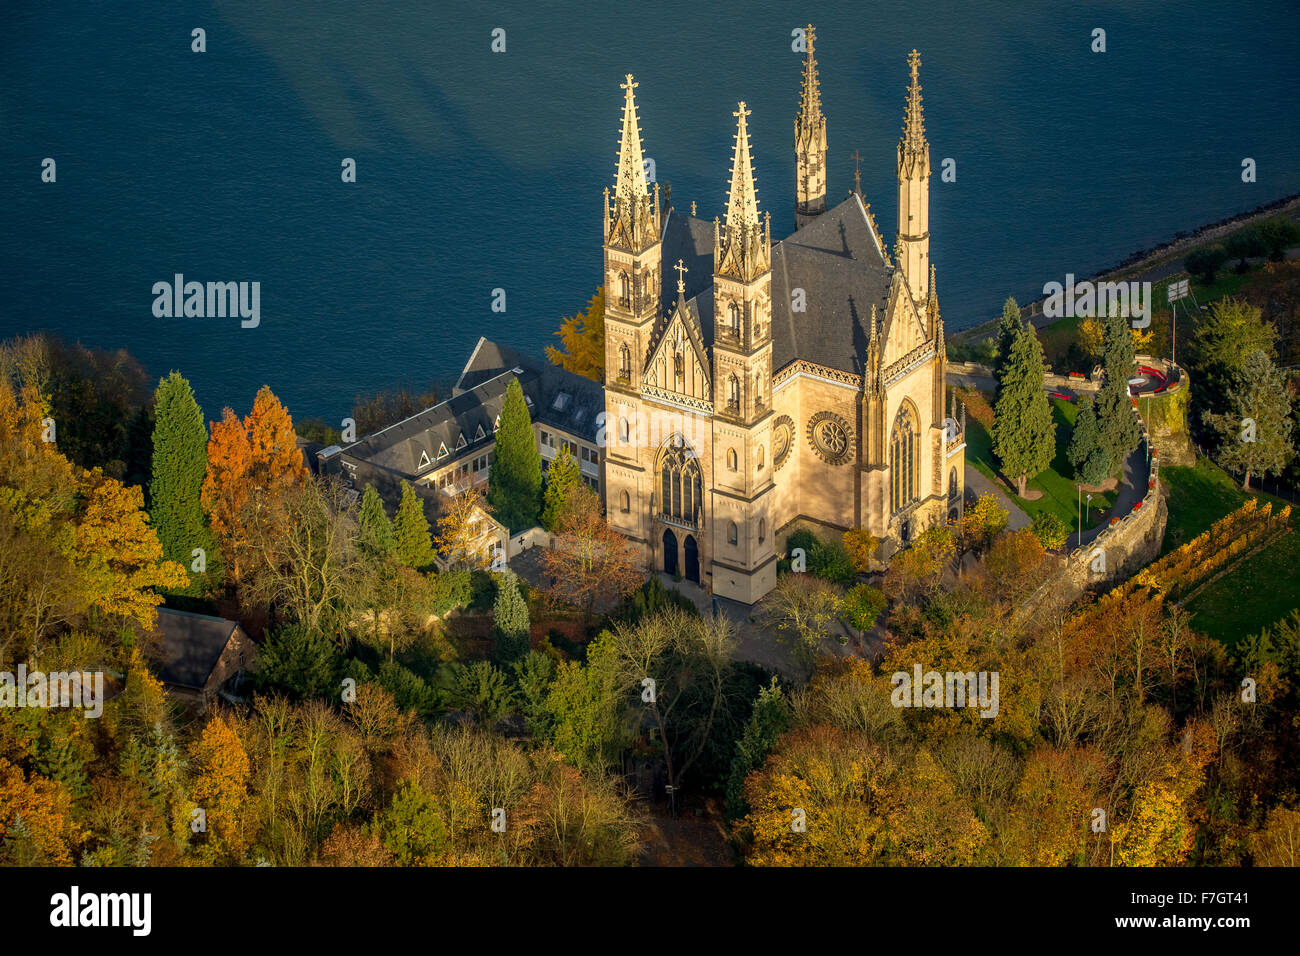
(809, 144)
(742, 539)
(913, 249)
(632, 259)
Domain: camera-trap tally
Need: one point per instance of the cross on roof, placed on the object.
(857, 172)
(681, 271)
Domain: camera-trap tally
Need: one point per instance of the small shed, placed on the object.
(201, 655)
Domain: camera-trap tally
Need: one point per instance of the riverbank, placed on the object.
(1149, 261)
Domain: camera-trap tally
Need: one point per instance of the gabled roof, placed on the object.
(191, 645)
(837, 260)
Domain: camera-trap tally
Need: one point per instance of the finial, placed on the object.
(857, 172)
(681, 271)
(692, 207)
(914, 124)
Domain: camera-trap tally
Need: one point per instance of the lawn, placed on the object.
(1059, 492)
(1256, 592)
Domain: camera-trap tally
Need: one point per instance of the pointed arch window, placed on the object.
(733, 319)
(625, 502)
(758, 390)
(624, 363)
(733, 462)
(733, 394)
(903, 460)
(624, 431)
(762, 530)
(680, 484)
(733, 533)
(624, 291)
(761, 458)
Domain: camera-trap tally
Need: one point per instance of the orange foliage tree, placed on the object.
(590, 561)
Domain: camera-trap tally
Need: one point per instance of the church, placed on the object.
(752, 389)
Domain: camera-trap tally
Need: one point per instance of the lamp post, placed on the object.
(1088, 507)
(1078, 540)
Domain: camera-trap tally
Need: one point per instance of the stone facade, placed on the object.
(767, 387)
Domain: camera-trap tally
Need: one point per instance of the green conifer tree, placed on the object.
(180, 450)
(1024, 434)
(411, 538)
(561, 478)
(515, 480)
(376, 529)
(510, 620)
(1256, 434)
(1009, 327)
(1118, 429)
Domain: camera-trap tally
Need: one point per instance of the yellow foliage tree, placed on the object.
(221, 770)
(583, 341)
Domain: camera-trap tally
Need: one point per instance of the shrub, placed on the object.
(863, 605)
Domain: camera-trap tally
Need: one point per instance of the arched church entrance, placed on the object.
(670, 552)
(692, 559)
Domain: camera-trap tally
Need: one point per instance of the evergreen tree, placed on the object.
(411, 537)
(1009, 327)
(1116, 425)
(1231, 332)
(180, 448)
(1089, 457)
(1256, 435)
(770, 718)
(510, 620)
(515, 481)
(1024, 434)
(376, 529)
(561, 478)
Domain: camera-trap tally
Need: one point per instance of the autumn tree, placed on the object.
(460, 537)
(411, 537)
(590, 561)
(582, 339)
(515, 477)
(804, 607)
(180, 442)
(982, 521)
(220, 789)
(861, 546)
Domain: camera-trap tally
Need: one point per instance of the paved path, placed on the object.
(976, 482)
(1132, 489)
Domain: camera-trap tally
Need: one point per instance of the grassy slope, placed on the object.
(1258, 591)
(1056, 484)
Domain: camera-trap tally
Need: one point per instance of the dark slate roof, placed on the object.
(191, 645)
(556, 397)
(834, 259)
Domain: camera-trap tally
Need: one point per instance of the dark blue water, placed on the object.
(479, 170)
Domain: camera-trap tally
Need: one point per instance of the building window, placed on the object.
(733, 533)
(571, 446)
(624, 363)
(548, 439)
(902, 460)
(733, 462)
(762, 530)
(623, 431)
(760, 457)
(680, 485)
(625, 502)
(590, 455)
(624, 291)
(733, 318)
(952, 483)
(733, 393)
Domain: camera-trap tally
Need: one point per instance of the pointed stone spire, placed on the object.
(914, 121)
(810, 142)
(810, 119)
(629, 182)
(632, 221)
(743, 251)
(742, 199)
